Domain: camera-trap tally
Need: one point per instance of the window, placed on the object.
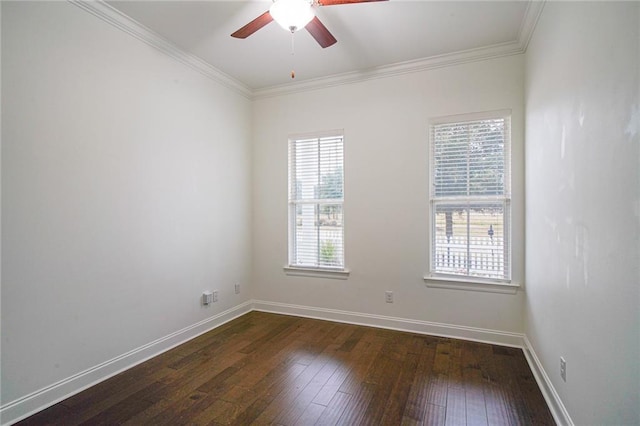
(316, 196)
(470, 196)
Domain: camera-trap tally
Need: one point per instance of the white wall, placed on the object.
(583, 206)
(385, 124)
(127, 191)
(125, 194)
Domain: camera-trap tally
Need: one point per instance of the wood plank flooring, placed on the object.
(274, 369)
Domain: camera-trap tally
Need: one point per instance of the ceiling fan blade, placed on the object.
(253, 26)
(320, 33)
(335, 2)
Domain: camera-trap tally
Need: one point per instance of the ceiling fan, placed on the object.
(293, 15)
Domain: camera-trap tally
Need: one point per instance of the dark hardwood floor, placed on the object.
(274, 369)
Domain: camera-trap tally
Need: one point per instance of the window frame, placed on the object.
(440, 279)
(294, 269)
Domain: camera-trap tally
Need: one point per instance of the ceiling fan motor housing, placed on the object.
(292, 15)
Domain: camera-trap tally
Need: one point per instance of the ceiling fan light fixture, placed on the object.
(292, 15)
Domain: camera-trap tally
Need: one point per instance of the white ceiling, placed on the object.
(370, 35)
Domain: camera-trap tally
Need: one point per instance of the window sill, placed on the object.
(336, 274)
(470, 284)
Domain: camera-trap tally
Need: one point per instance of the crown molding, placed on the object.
(529, 22)
(519, 46)
(433, 62)
(121, 21)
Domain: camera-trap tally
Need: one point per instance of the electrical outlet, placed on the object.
(237, 288)
(207, 298)
(215, 295)
(563, 369)
(388, 296)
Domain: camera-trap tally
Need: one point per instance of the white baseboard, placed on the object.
(394, 323)
(28, 405)
(34, 402)
(558, 410)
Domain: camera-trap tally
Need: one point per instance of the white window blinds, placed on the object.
(470, 197)
(316, 195)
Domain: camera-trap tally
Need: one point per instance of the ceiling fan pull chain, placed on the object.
(293, 73)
